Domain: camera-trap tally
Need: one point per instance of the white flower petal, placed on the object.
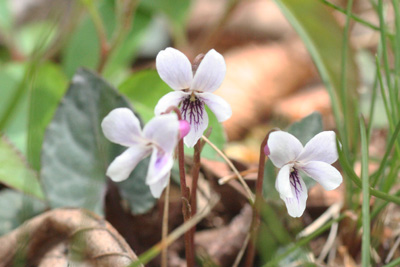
(197, 117)
(174, 68)
(160, 164)
(323, 173)
(282, 183)
(170, 99)
(121, 126)
(321, 147)
(163, 131)
(218, 106)
(123, 165)
(283, 148)
(296, 204)
(210, 74)
(157, 188)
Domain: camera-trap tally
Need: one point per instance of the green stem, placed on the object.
(365, 245)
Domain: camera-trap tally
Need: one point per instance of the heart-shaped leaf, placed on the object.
(75, 153)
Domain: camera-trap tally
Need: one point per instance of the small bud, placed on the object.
(266, 150)
(184, 128)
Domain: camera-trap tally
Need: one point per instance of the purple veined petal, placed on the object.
(325, 174)
(157, 188)
(174, 68)
(321, 147)
(210, 74)
(296, 204)
(195, 114)
(124, 164)
(218, 106)
(170, 99)
(282, 182)
(163, 131)
(283, 148)
(160, 164)
(121, 126)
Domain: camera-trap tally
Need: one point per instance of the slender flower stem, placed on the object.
(195, 178)
(164, 252)
(186, 209)
(257, 205)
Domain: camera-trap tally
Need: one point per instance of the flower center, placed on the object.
(295, 182)
(192, 109)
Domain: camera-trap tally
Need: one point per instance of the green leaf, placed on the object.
(75, 152)
(145, 88)
(175, 10)
(124, 54)
(16, 208)
(307, 128)
(11, 76)
(82, 50)
(323, 38)
(5, 16)
(47, 90)
(15, 172)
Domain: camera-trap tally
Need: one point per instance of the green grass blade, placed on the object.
(365, 246)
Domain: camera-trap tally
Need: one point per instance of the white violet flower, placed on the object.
(193, 89)
(158, 138)
(314, 159)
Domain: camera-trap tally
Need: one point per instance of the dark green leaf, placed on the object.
(15, 172)
(307, 128)
(16, 208)
(75, 153)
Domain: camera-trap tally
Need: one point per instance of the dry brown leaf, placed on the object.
(62, 236)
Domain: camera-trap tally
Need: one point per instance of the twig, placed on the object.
(227, 178)
(249, 193)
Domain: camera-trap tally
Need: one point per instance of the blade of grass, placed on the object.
(389, 148)
(303, 242)
(354, 17)
(386, 60)
(365, 245)
(394, 263)
(353, 176)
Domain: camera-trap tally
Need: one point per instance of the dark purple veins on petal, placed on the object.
(295, 182)
(192, 109)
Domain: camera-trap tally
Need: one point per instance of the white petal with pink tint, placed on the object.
(296, 204)
(218, 106)
(323, 173)
(163, 131)
(124, 164)
(170, 99)
(321, 147)
(122, 127)
(283, 147)
(210, 74)
(174, 68)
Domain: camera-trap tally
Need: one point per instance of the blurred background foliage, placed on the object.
(65, 64)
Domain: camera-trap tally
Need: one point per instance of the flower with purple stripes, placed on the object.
(193, 87)
(314, 159)
(158, 138)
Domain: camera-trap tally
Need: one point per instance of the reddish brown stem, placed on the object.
(195, 178)
(257, 205)
(186, 207)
